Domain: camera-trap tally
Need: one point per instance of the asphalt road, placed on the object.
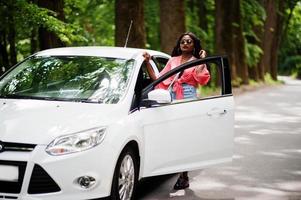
(267, 153)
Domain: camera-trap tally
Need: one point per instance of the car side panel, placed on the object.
(187, 136)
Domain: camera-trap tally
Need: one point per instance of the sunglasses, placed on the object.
(187, 41)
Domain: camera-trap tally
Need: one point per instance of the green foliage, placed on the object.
(298, 71)
(96, 18)
(27, 17)
(253, 16)
(204, 91)
(193, 23)
(253, 83)
(269, 80)
(253, 54)
(236, 82)
(152, 24)
(36, 16)
(291, 65)
(290, 51)
(93, 23)
(253, 12)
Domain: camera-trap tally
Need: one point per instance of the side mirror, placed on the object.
(159, 96)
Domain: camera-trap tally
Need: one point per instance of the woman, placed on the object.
(188, 48)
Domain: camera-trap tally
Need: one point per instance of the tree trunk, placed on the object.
(34, 35)
(269, 32)
(4, 61)
(172, 23)
(253, 73)
(49, 39)
(191, 5)
(239, 43)
(272, 36)
(277, 38)
(202, 15)
(34, 40)
(223, 34)
(12, 37)
(258, 30)
(125, 11)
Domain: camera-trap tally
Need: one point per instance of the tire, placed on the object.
(125, 176)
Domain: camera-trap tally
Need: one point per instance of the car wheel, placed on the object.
(125, 176)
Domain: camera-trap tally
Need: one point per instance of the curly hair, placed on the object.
(197, 45)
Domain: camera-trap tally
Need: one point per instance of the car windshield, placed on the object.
(68, 78)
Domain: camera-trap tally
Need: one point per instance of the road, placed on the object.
(267, 153)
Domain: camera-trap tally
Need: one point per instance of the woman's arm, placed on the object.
(149, 68)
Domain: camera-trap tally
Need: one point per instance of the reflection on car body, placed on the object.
(87, 122)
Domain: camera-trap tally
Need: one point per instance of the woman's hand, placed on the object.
(149, 68)
(146, 56)
(203, 54)
(200, 68)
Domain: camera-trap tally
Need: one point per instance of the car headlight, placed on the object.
(76, 142)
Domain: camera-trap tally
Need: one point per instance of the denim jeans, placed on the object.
(189, 92)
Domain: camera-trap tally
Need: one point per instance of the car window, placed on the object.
(190, 85)
(197, 82)
(160, 62)
(69, 78)
(214, 86)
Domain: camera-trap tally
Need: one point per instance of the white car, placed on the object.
(87, 122)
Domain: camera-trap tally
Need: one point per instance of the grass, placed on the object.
(205, 91)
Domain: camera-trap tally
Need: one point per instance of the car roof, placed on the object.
(109, 52)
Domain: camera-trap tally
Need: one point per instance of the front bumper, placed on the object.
(42, 176)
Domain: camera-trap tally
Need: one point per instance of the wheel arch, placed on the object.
(133, 144)
(134, 147)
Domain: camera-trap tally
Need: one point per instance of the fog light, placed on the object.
(86, 181)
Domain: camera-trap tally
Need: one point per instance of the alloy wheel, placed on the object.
(126, 178)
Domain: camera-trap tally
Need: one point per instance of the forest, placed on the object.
(261, 38)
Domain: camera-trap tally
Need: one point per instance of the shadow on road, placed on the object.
(159, 188)
(148, 185)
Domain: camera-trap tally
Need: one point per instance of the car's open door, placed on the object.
(188, 134)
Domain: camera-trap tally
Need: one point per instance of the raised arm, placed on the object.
(149, 68)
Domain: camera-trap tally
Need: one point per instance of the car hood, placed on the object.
(39, 122)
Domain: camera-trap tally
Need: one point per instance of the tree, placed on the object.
(272, 36)
(172, 23)
(152, 24)
(125, 12)
(4, 59)
(97, 19)
(4, 62)
(230, 39)
(253, 15)
(290, 50)
(224, 34)
(203, 15)
(48, 39)
(8, 35)
(238, 42)
(20, 20)
(281, 5)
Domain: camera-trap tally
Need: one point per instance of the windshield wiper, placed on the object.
(15, 96)
(91, 100)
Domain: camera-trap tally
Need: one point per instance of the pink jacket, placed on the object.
(190, 76)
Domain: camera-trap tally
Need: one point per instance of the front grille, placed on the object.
(10, 146)
(13, 187)
(41, 182)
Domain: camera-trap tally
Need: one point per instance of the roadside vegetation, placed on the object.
(262, 38)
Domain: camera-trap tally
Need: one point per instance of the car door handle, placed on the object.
(217, 112)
